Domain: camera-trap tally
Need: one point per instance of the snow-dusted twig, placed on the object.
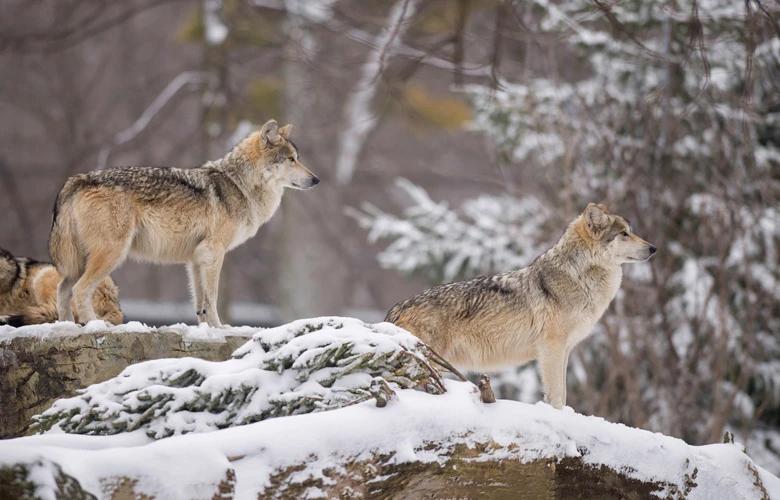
(214, 28)
(485, 391)
(485, 234)
(358, 117)
(369, 40)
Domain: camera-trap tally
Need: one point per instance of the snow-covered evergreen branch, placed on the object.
(302, 367)
(486, 234)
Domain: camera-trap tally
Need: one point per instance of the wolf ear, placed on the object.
(286, 131)
(270, 133)
(597, 219)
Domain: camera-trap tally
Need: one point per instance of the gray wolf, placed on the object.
(28, 293)
(538, 312)
(170, 215)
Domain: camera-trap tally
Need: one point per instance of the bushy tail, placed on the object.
(64, 249)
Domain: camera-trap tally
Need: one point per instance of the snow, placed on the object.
(410, 422)
(60, 329)
(215, 30)
(313, 11)
(486, 234)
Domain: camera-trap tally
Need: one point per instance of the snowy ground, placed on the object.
(168, 468)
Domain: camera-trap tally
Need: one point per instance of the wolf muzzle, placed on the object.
(310, 183)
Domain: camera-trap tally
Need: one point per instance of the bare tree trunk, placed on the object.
(359, 118)
(299, 281)
(215, 117)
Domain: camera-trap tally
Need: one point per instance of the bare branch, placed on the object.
(359, 117)
(187, 78)
(87, 27)
(369, 40)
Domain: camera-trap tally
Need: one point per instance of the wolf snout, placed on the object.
(652, 249)
(307, 183)
(311, 182)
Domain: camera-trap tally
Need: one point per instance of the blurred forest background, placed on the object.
(453, 138)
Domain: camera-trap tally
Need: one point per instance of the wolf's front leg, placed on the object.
(563, 375)
(208, 261)
(552, 364)
(193, 273)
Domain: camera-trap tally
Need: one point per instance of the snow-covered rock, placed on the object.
(42, 363)
(450, 445)
(419, 444)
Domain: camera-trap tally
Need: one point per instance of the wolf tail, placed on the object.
(64, 249)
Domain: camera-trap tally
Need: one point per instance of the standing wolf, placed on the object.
(539, 312)
(170, 215)
(28, 293)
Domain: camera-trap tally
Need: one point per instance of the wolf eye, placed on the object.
(291, 158)
(624, 234)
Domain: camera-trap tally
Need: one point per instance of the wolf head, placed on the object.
(9, 270)
(271, 150)
(612, 236)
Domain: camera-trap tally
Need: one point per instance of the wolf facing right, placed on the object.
(191, 216)
(538, 312)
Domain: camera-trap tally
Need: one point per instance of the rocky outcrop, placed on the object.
(467, 473)
(34, 371)
(415, 444)
(16, 481)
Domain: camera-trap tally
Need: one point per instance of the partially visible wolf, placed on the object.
(170, 215)
(539, 312)
(28, 293)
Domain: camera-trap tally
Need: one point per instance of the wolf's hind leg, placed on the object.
(99, 265)
(552, 364)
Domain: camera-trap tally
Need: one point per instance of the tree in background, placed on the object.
(669, 113)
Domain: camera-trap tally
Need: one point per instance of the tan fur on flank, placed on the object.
(28, 293)
(539, 312)
(171, 215)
